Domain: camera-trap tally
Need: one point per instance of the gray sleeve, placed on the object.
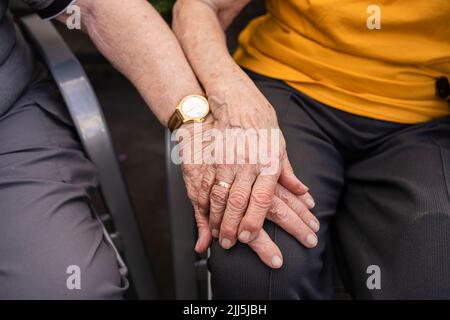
(48, 9)
(39, 4)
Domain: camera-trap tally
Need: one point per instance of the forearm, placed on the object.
(138, 42)
(199, 26)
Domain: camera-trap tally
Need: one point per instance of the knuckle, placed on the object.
(238, 199)
(284, 194)
(205, 185)
(275, 207)
(234, 217)
(214, 219)
(218, 196)
(282, 214)
(289, 169)
(252, 225)
(202, 202)
(213, 224)
(187, 170)
(203, 205)
(215, 212)
(262, 198)
(302, 212)
(228, 231)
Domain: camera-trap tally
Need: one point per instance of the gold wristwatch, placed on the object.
(193, 108)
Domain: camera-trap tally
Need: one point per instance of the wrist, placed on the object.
(191, 108)
(207, 123)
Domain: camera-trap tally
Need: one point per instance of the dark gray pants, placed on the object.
(47, 229)
(381, 187)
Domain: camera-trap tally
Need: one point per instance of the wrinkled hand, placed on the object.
(239, 212)
(277, 195)
(287, 210)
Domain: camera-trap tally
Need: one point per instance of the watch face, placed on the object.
(195, 107)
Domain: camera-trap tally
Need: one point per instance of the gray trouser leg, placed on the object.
(393, 225)
(51, 246)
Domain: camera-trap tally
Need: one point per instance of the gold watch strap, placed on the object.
(175, 121)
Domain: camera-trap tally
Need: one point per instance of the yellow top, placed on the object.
(377, 59)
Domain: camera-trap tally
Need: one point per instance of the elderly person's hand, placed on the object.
(240, 194)
(286, 209)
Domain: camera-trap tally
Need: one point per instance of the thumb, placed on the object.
(289, 180)
(267, 250)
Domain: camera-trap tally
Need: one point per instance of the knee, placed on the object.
(239, 274)
(95, 278)
(421, 259)
(99, 277)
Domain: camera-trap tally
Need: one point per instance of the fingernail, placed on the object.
(226, 243)
(276, 261)
(244, 236)
(311, 240)
(310, 203)
(314, 225)
(215, 233)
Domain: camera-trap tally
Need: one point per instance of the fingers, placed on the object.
(289, 180)
(218, 199)
(192, 175)
(288, 220)
(267, 250)
(308, 200)
(260, 203)
(236, 206)
(209, 176)
(204, 233)
(297, 204)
